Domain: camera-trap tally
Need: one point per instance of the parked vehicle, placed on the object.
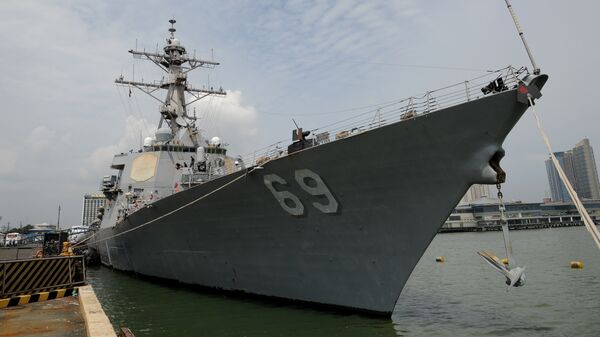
(13, 239)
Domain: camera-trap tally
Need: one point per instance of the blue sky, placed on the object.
(63, 117)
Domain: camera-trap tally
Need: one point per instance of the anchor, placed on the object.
(515, 275)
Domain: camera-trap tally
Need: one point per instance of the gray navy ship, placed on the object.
(338, 216)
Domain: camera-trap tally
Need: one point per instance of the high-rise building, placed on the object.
(91, 203)
(584, 165)
(580, 168)
(557, 188)
(476, 192)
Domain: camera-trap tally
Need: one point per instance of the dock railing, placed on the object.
(21, 277)
(377, 116)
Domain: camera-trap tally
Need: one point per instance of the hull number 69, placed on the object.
(311, 183)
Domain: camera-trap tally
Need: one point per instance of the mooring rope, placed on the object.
(167, 214)
(587, 220)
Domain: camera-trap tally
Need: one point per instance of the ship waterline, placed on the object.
(342, 223)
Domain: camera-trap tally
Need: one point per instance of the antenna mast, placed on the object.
(536, 69)
(175, 61)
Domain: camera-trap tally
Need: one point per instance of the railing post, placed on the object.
(467, 90)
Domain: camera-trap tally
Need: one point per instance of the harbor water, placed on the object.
(460, 297)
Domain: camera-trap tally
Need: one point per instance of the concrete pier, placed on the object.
(52, 318)
(74, 316)
(96, 322)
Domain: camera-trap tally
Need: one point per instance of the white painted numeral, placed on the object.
(303, 177)
(311, 183)
(282, 196)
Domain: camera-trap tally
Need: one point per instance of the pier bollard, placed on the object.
(440, 259)
(576, 265)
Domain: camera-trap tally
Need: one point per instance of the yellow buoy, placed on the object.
(505, 261)
(576, 264)
(440, 259)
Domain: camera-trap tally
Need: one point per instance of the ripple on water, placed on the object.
(462, 297)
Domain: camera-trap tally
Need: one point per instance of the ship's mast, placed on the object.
(176, 63)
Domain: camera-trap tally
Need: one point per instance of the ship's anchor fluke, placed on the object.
(515, 275)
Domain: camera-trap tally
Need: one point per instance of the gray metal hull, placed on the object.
(395, 186)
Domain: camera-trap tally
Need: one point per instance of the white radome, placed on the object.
(215, 141)
(148, 141)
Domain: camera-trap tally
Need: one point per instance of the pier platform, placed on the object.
(57, 317)
(80, 315)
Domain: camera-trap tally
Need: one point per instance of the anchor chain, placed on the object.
(501, 204)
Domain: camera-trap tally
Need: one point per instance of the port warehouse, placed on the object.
(484, 214)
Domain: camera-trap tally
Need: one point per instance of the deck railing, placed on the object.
(397, 111)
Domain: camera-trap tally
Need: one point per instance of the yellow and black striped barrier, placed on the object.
(37, 297)
(31, 276)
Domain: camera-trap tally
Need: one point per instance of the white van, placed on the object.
(12, 239)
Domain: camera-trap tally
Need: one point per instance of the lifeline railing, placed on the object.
(396, 111)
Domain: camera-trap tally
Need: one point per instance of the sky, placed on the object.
(63, 117)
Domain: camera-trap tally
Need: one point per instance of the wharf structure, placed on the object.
(484, 214)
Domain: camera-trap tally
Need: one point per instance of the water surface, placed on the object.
(461, 297)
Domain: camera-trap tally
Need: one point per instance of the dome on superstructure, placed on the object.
(215, 141)
(148, 141)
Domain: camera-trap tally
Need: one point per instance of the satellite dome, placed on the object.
(215, 141)
(163, 134)
(148, 141)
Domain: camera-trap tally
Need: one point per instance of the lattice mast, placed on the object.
(173, 108)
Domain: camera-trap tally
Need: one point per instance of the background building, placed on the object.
(484, 214)
(91, 203)
(580, 168)
(586, 175)
(558, 190)
(476, 192)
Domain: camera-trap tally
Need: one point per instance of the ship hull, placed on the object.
(393, 188)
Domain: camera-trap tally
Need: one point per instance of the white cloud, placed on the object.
(136, 128)
(228, 118)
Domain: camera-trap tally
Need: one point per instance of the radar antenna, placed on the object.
(176, 63)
